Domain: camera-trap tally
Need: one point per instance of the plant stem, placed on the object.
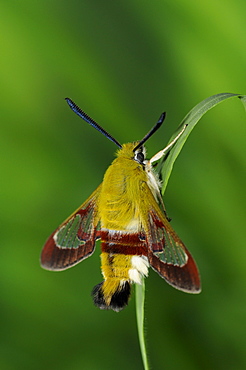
(140, 295)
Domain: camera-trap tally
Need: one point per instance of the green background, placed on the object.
(123, 62)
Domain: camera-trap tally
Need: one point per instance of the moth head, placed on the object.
(140, 154)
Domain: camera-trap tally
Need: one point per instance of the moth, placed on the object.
(126, 212)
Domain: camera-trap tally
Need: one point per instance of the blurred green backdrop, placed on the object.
(124, 63)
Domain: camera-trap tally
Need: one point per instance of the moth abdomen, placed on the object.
(118, 300)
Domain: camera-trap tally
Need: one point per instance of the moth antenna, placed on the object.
(152, 131)
(160, 154)
(91, 122)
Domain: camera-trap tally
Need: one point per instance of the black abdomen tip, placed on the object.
(118, 300)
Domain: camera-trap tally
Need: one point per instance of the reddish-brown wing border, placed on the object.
(182, 275)
(69, 253)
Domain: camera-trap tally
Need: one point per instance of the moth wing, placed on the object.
(74, 239)
(167, 254)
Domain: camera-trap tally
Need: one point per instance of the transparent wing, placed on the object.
(74, 239)
(167, 254)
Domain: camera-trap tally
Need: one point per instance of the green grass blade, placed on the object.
(165, 168)
(191, 119)
(140, 294)
(243, 100)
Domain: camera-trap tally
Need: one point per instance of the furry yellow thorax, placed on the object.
(119, 201)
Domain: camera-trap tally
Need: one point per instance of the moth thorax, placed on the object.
(133, 225)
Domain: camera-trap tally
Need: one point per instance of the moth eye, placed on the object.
(139, 157)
